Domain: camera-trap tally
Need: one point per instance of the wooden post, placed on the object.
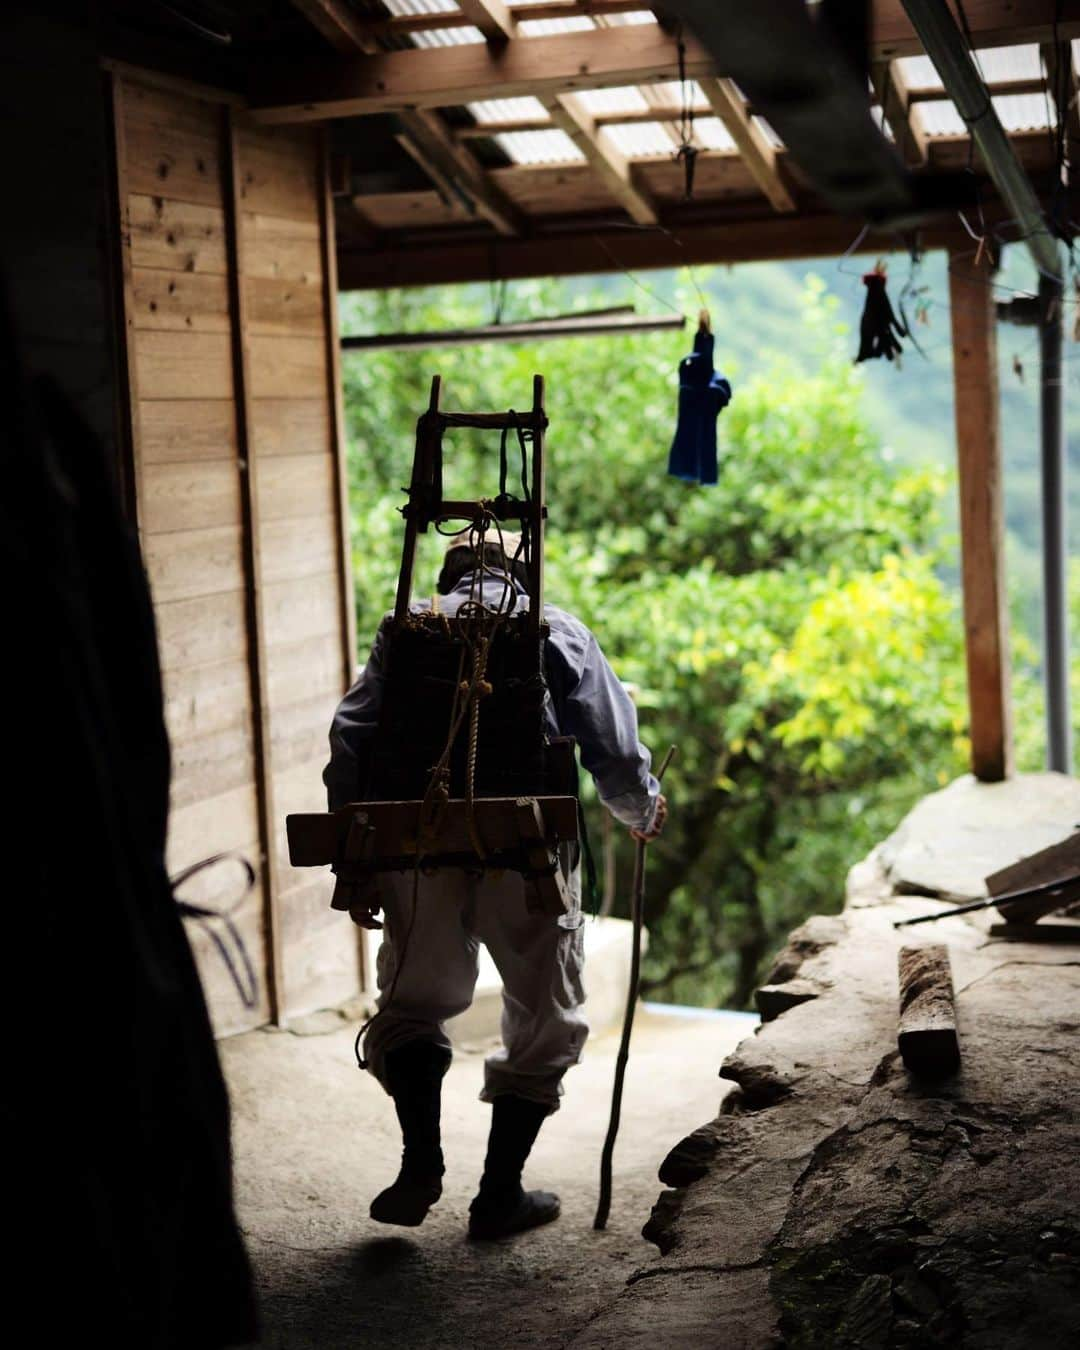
(978, 440)
(249, 496)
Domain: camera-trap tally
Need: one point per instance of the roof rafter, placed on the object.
(750, 141)
(453, 168)
(445, 76)
(492, 17)
(403, 24)
(613, 167)
(896, 100)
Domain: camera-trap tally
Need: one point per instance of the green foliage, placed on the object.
(787, 629)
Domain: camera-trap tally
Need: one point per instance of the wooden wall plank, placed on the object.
(187, 430)
(174, 163)
(150, 105)
(296, 485)
(283, 306)
(295, 426)
(280, 176)
(198, 301)
(202, 700)
(207, 766)
(305, 669)
(189, 564)
(287, 367)
(305, 608)
(338, 445)
(982, 530)
(299, 731)
(228, 1015)
(204, 827)
(201, 632)
(183, 365)
(286, 250)
(180, 236)
(190, 495)
(303, 547)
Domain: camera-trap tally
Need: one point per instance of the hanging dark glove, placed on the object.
(880, 330)
(702, 394)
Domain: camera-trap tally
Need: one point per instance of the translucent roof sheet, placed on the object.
(670, 94)
(447, 37)
(1018, 112)
(630, 20)
(548, 27)
(625, 99)
(637, 140)
(711, 134)
(508, 110)
(402, 7)
(539, 147)
(997, 64)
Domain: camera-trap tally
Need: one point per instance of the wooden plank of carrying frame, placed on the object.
(317, 840)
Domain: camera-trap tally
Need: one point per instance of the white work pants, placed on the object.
(539, 958)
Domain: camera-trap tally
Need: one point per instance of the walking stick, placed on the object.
(638, 915)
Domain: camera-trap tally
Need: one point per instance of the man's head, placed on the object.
(461, 559)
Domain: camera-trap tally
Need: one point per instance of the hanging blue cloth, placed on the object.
(702, 394)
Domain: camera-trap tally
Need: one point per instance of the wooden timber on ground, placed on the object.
(1036, 932)
(1060, 860)
(927, 1037)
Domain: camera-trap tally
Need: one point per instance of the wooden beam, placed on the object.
(403, 24)
(592, 246)
(445, 76)
(458, 173)
(339, 24)
(253, 586)
(453, 168)
(978, 437)
(613, 167)
(896, 99)
(492, 18)
(993, 23)
(750, 141)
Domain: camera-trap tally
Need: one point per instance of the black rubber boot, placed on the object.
(502, 1207)
(414, 1075)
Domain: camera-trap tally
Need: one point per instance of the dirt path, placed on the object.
(315, 1139)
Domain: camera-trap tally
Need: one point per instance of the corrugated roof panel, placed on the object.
(547, 27)
(1023, 112)
(1018, 112)
(670, 94)
(639, 140)
(711, 133)
(403, 7)
(447, 37)
(938, 117)
(624, 99)
(630, 20)
(767, 131)
(996, 63)
(508, 110)
(539, 147)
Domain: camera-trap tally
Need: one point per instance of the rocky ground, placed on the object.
(838, 1202)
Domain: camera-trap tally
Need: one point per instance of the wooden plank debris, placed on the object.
(1050, 864)
(927, 1037)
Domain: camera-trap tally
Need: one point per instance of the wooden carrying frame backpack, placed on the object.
(462, 772)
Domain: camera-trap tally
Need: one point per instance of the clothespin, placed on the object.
(1018, 367)
(704, 322)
